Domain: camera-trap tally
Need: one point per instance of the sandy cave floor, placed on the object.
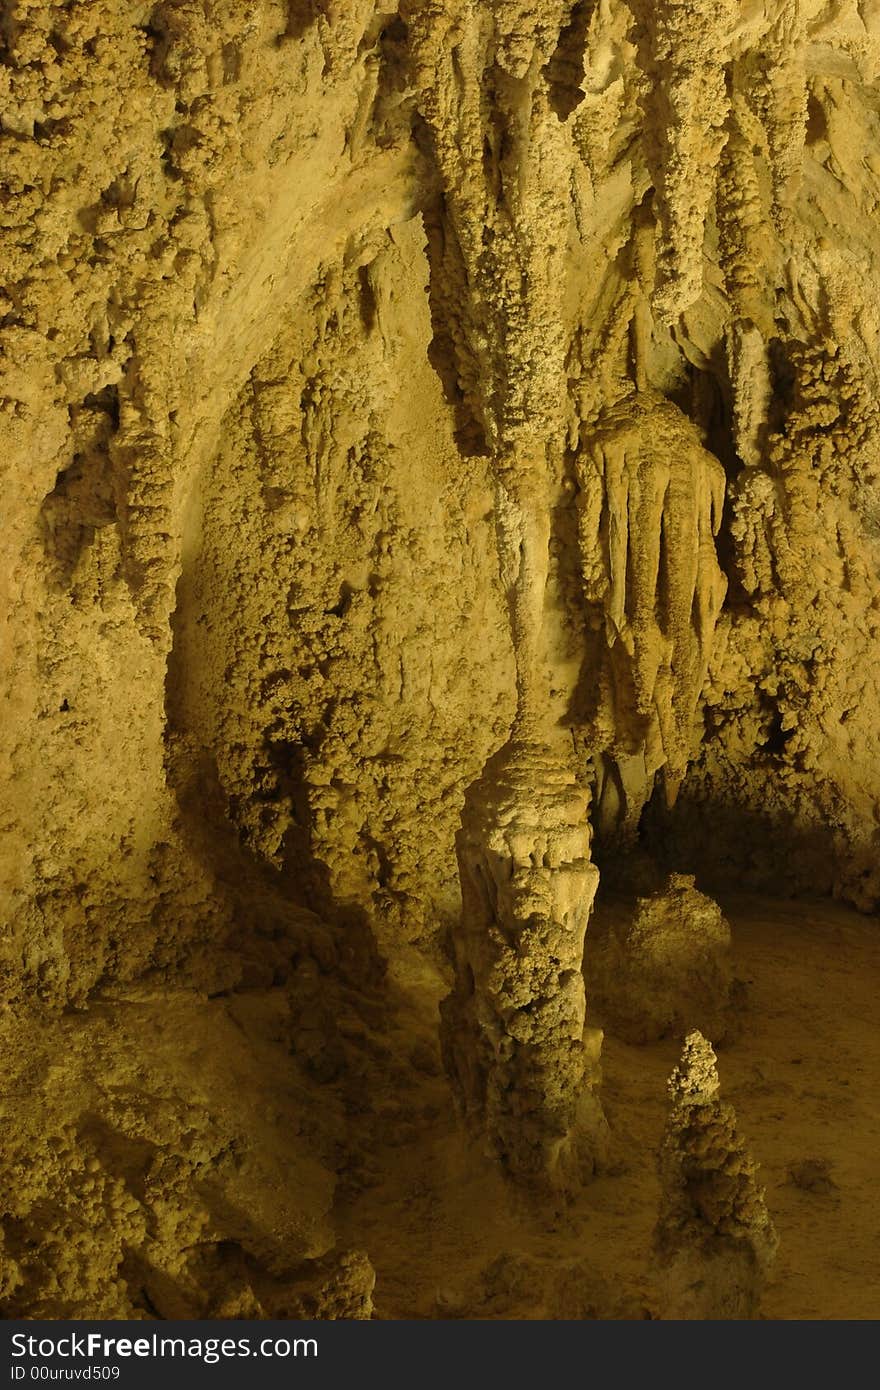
(803, 1077)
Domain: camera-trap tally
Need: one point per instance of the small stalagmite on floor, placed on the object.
(714, 1242)
(522, 1062)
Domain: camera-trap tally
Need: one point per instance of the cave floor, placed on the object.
(206, 1159)
(447, 1239)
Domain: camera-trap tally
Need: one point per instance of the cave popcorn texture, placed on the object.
(373, 376)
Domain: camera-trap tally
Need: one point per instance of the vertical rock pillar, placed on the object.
(513, 1030)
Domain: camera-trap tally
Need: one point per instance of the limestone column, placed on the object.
(514, 1028)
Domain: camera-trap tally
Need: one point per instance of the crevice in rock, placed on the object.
(565, 70)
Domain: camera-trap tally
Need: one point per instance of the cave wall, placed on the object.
(287, 286)
(341, 659)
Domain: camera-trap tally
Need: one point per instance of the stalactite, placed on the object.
(429, 431)
(650, 506)
(684, 47)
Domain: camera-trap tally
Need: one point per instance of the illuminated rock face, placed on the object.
(384, 384)
(513, 1031)
(294, 297)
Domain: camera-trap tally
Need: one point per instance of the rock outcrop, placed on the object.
(662, 968)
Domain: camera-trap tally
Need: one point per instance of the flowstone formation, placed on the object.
(714, 1243)
(649, 509)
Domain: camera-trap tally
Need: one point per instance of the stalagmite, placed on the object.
(514, 1026)
(663, 967)
(514, 1029)
(714, 1242)
(440, 528)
